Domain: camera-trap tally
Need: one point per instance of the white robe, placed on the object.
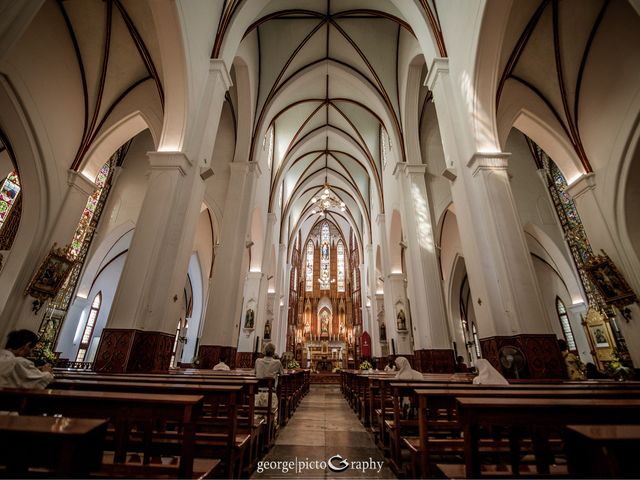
(405, 372)
(20, 372)
(221, 366)
(487, 375)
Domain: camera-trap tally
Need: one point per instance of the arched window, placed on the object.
(340, 252)
(566, 326)
(89, 209)
(309, 272)
(325, 275)
(88, 328)
(476, 340)
(176, 340)
(8, 195)
(267, 144)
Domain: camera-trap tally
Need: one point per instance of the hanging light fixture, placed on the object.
(327, 199)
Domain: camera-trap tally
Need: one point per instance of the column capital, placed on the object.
(271, 218)
(368, 248)
(255, 275)
(380, 219)
(439, 66)
(218, 67)
(581, 185)
(409, 169)
(488, 161)
(80, 182)
(169, 161)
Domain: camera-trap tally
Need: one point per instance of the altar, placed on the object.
(325, 355)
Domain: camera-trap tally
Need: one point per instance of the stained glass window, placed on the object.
(340, 253)
(8, 195)
(325, 274)
(309, 272)
(566, 326)
(89, 209)
(88, 329)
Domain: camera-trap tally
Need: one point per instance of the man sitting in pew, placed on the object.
(17, 371)
(268, 367)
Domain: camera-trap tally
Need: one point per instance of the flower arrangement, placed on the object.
(617, 368)
(336, 370)
(365, 365)
(42, 355)
(293, 364)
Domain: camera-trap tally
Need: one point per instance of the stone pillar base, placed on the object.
(435, 361)
(209, 356)
(123, 350)
(541, 352)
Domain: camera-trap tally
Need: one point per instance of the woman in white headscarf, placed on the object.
(487, 375)
(405, 372)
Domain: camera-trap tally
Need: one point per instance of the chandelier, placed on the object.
(326, 201)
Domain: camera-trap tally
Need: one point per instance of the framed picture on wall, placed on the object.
(599, 336)
(609, 281)
(51, 275)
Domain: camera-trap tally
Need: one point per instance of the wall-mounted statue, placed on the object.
(401, 320)
(249, 319)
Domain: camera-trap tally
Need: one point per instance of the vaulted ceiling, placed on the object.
(328, 87)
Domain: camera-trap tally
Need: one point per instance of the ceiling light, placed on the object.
(314, 200)
(313, 212)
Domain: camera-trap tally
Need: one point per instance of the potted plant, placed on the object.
(365, 365)
(293, 364)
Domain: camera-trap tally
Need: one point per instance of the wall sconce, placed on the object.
(249, 243)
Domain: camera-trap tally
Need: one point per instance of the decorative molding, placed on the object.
(409, 169)
(439, 66)
(541, 351)
(488, 161)
(435, 361)
(169, 161)
(80, 182)
(219, 67)
(129, 350)
(584, 183)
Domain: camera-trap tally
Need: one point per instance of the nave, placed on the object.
(322, 427)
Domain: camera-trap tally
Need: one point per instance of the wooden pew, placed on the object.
(441, 407)
(218, 430)
(65, 447)
(546, 414)
(603, 451)
(124, 410)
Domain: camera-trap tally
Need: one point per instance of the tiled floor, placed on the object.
(324, 426)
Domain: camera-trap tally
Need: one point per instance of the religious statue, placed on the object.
(324, 323)
(267, 331)
(383, 332)
(249, 319)
(325, 250)
(402, 321)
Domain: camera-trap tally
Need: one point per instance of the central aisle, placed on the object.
(322, 427)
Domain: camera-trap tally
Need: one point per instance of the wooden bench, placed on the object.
(218, 431)
(603, 451)
(64, 447)
(537, 417)
(132, 416)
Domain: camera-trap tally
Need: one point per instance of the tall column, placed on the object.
(223, 317)
(506, 295)
(431, 336)
(250, 305)
(373, 327)
(282, 284)
(146, 308)
(265, 310)
(584, 192)
(18, 311)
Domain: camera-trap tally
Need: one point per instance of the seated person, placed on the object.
(17, 371)
(221, 365)
(573, 366)
(487, 375)
(461, 367)
(391, 366)
(405, 372)
(268, 367)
